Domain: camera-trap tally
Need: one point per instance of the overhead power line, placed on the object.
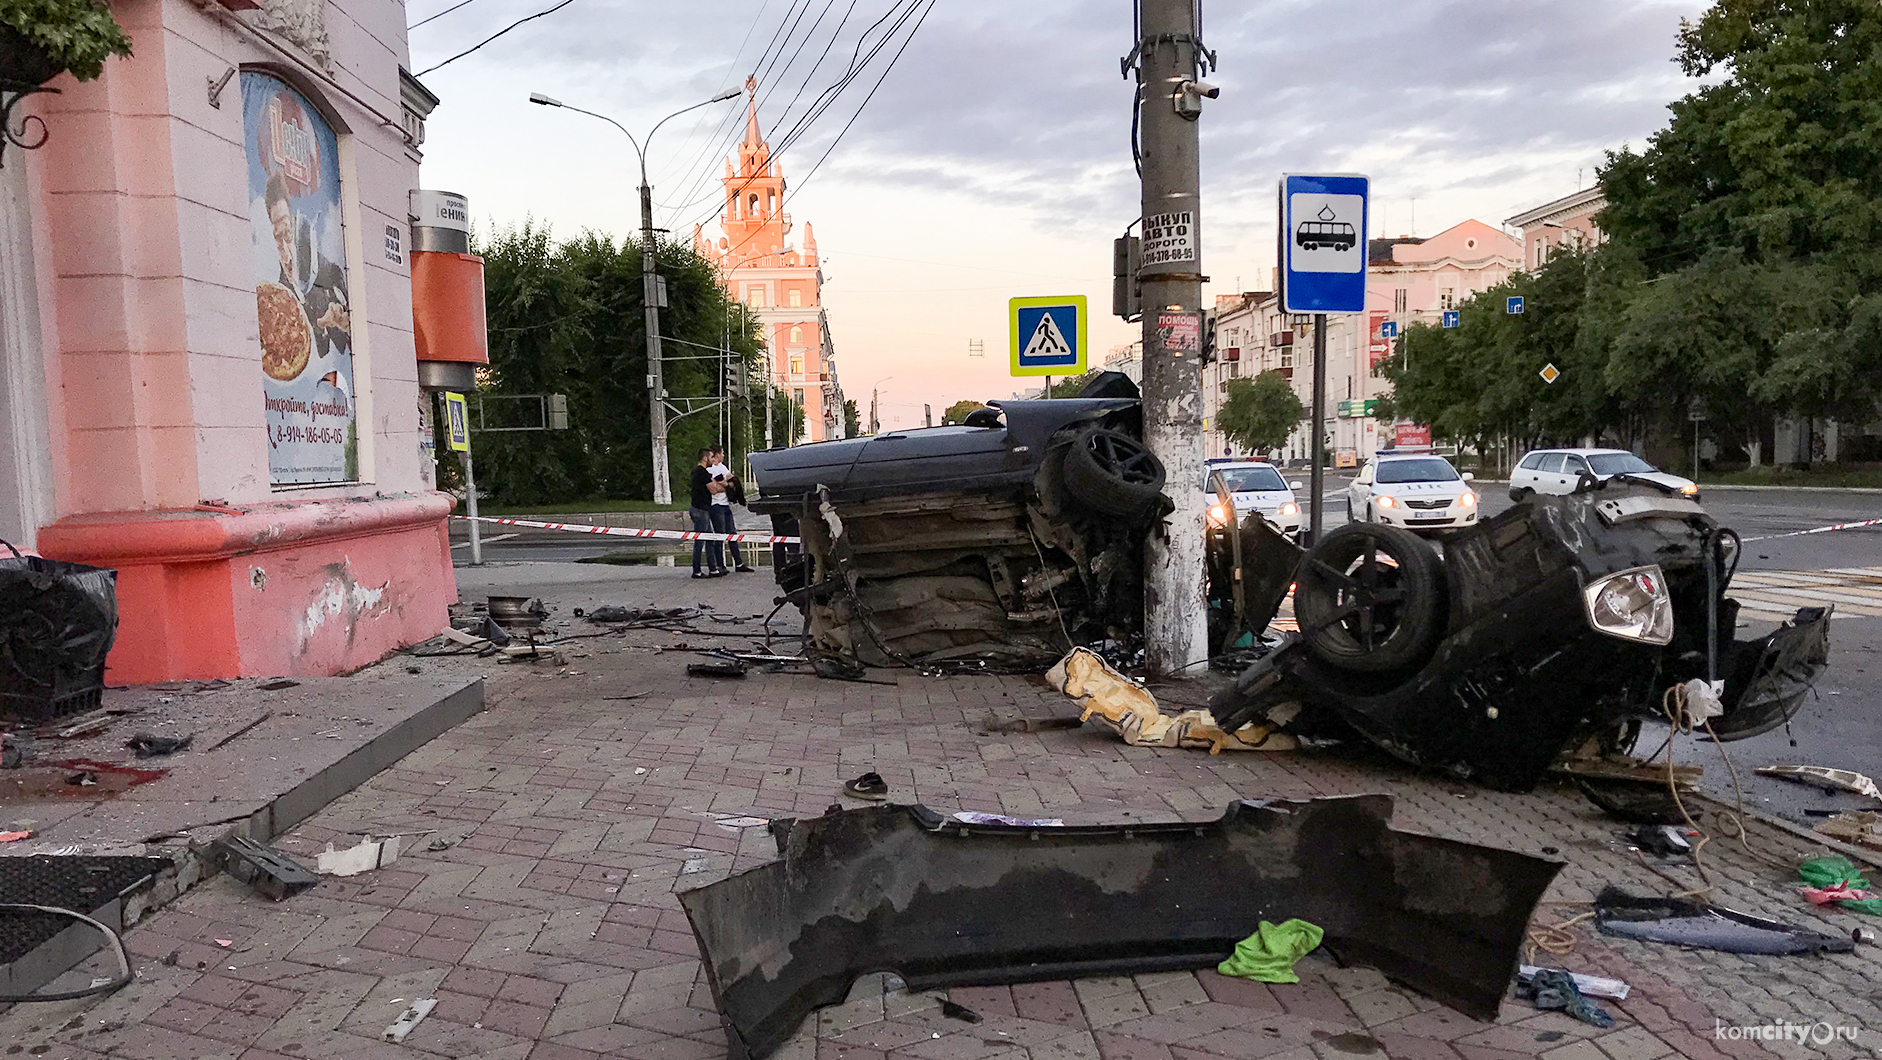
(494, 36)
(439, 15)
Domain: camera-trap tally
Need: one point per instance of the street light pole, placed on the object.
(653, 293)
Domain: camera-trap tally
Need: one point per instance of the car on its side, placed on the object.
(1559, 471)
(1421, 493)
(1254, 486)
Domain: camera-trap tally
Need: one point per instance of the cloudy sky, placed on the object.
(994, 160)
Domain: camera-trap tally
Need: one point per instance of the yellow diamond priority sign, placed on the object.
(1550, 373)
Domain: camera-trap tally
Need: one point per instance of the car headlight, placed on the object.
(1690, 489)
(1467, 500)
(1290, 508)
(1385, 502)
(1631, 605)
(1218, 514)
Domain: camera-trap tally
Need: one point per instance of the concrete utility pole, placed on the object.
(1176, 633)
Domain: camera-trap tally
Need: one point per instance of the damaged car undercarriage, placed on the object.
(1557, 626)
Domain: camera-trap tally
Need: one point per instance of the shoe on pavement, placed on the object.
(867, 786)
(699, 574)
(720, 573)
(745, 569)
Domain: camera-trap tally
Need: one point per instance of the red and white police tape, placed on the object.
(1818, 530)
(634, 531)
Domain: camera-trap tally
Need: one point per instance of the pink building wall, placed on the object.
(1565, 222)
(143, 250)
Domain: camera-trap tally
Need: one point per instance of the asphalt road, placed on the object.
(1840, 726)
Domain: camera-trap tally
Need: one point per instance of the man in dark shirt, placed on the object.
(700, 508)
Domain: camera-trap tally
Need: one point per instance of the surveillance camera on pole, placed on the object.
(1189, 97)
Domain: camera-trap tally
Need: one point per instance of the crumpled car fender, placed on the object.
(944, 903)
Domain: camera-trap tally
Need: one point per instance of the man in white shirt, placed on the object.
(721, 510)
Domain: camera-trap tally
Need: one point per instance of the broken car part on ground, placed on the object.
(1559, 624)
(943, 903)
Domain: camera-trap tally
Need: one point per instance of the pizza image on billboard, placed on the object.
(287, 342)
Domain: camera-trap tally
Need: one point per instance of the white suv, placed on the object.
(1256, 486)
(1421, 493)
(1558, 470)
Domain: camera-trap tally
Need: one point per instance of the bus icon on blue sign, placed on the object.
(1452, 318)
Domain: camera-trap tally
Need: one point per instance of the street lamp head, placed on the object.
(547, 101)
(730, 93)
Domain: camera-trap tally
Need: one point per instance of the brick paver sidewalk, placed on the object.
(569, 816)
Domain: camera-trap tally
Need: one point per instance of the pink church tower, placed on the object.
(780, 283)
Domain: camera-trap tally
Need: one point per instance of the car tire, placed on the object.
(1112, 473)
(1337, 599)
(1520, 494)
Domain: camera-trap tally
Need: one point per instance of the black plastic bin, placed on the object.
(57, 622)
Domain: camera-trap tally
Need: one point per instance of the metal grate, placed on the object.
(81, 884)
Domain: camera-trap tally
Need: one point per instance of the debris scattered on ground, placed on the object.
(716, 668)
(517, 612)
(1131, 711)
(1706, 927)
(224, 943)
(1826, 778)
(15, 751)
(84, 778)
(867, 786)
(409, 1019)
(243, 731)
(369, 854)
(278, 684)
(1553, 990)
(1269, 955)
(631, 695)
(147, 745)
(73, 728)
(974, 817)
(953, 904)
(611, 613)
(997, 722)
(14, 837)
(958, 1012)
(1661, 840)
(1861, 827)
(1589, 985)
(1836, 879)
(269, 872)
(1634, 801)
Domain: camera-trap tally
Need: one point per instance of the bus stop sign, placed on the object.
(1323, 243)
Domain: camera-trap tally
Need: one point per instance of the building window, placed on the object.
(752, 206)
(1448, 298)
(1398, 300)
(797, 395)
(1287, 357)
(797, 334)
(1232, 369)
(755, 296)
(797, 297)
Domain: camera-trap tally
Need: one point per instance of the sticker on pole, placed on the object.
(1323, 243)
(457, 422)
(1169, 238)
(1048, 334)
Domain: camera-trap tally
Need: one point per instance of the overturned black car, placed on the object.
(1006, 539)
(1559, 624)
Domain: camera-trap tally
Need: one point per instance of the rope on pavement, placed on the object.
(1818, 530)
(634, 531)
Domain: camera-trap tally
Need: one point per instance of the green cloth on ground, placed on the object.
(1839, 873)
(1269, 954)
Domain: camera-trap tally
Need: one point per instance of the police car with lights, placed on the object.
(1254, 486)
(1422, 493)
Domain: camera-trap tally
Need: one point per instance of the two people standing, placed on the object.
(714, 490)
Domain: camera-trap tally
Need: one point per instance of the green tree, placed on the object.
(852, 419)
(1766, 184)
(1260, 413)
(567, 318)
(957, 412)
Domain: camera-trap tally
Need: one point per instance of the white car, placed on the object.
(1420, 493)
(1256, 486)
(1558, 470)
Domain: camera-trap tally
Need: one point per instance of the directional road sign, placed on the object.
(1388, 329)
(1452, 318)
(1323, 243)
(1515, 305)
(1550, 373)
(1048, 334)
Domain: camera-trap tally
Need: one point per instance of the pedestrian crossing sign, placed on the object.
(1048, 334)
